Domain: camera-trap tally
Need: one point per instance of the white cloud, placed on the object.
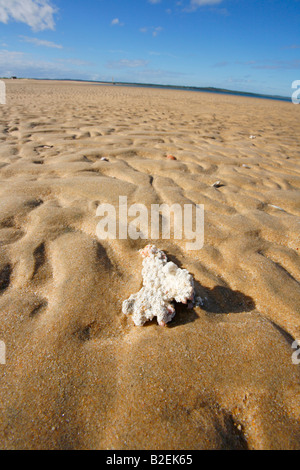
(148, 75)
(25, 65)
(202, 3)
(41, 42)
(38, 14)
(166, 54)
(293, 46)
(126, 63)
(116, 22)
(76, 62)
(195, 4)
(155, 30)
(154, 1)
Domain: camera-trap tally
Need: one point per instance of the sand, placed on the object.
(78, 373)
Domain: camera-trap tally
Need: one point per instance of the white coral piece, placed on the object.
(163, 282)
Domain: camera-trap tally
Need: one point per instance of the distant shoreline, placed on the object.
(221, 91)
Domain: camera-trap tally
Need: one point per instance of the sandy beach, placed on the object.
(79, 374)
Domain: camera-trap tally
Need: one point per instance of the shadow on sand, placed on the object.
(218, 300)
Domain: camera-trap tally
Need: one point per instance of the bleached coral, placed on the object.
(163, 282)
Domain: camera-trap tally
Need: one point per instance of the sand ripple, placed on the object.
(79, 375)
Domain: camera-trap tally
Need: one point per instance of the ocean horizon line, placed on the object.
(223, 91)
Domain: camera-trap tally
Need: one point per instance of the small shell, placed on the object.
(217, 184)
(171, 157)
(276, 207)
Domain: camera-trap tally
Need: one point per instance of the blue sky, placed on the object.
(247, 45)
